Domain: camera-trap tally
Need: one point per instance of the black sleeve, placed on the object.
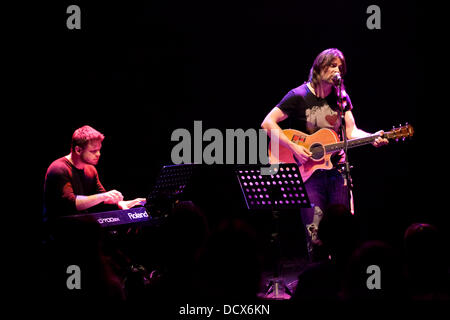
(289, 103)
(348, 106)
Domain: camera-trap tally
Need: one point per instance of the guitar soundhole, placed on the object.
(317, 150)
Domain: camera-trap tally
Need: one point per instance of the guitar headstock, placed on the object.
(401, 132)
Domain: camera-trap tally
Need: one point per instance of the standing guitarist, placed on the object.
(310, 107)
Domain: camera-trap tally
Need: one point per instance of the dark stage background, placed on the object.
(136, 71)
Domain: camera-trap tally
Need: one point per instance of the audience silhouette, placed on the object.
(184, 235)
(426, 263)
(338, 237)
(230, 266)
(200, 265)
(80, 243)
(374, 272)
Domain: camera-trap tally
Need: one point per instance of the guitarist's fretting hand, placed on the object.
(380, 141)
(301, 153)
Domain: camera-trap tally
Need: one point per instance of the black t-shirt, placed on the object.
(63, 182)
(309, 113)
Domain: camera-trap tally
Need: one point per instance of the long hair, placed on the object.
(322, 61)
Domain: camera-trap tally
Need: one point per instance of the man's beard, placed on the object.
(92, 163)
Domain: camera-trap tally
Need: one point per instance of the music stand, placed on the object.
(169, 188)
(282, 189)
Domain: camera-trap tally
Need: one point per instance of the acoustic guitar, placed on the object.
(324, 143)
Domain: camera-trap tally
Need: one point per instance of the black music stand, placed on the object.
(213, 189)
(169, 188)
(282, 189)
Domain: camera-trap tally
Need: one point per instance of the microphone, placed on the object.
(336, 78)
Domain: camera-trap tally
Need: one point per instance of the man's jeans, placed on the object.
(324, 188)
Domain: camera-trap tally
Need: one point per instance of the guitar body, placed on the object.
(314, 143)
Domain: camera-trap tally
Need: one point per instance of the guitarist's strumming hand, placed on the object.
(301, 153)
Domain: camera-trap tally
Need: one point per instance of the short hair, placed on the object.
(323, 60)
(82, 136)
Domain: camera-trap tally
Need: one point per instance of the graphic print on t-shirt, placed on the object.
(323, 116)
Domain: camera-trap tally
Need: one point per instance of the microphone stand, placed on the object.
(347, 178)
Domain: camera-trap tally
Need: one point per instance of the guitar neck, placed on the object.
(336, 147)
(396, 133)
